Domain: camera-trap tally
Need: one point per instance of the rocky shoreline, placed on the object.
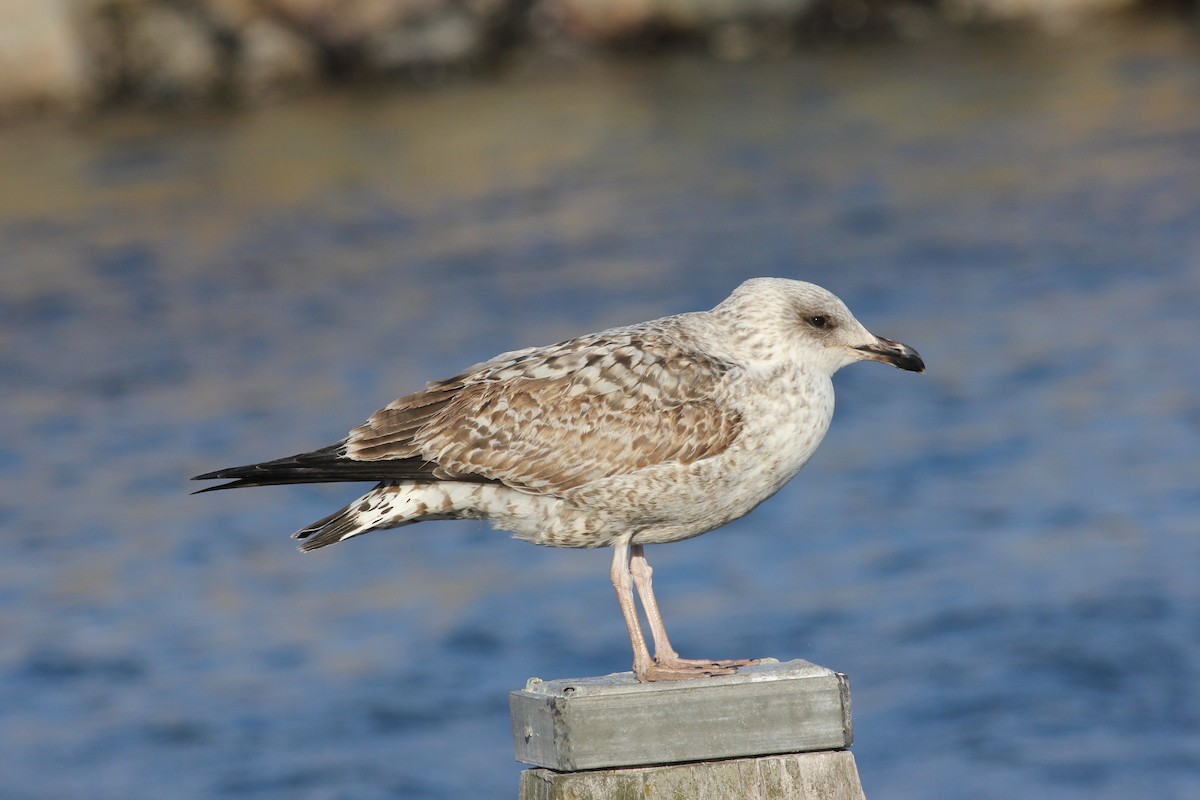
(83, 55)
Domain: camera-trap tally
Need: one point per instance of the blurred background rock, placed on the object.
(81, 55)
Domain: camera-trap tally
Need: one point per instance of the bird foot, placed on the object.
(682, 669)
(732, 662)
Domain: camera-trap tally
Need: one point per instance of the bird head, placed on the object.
(778, 318)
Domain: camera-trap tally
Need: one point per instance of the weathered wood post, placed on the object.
(770, 731)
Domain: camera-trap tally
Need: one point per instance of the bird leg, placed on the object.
(664, 653)
(630, 569)
(622, 582)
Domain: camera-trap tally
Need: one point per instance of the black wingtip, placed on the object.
(230, 485)
(313, 467)
(236, 477)
(327, 465)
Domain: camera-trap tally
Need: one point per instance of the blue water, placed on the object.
(1002, 553)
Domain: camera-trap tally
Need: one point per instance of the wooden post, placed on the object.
(768, 731)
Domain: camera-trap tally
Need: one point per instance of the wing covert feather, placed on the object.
(551, 419)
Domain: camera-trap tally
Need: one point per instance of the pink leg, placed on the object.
(622, 582)
(667, 663)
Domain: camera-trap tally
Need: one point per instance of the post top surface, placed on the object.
(626, 683)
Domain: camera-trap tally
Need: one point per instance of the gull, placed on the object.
(637, 435)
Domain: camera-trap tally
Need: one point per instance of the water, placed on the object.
(1001, 553)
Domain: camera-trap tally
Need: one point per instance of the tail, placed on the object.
(327, 465)
(388, 505)
(397, 500)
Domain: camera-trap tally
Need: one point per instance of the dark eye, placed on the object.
(820, 322)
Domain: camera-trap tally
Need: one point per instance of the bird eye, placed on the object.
(819, 321)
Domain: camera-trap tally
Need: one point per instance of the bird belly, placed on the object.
(669, 502)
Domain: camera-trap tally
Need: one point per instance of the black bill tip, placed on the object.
(898, 355)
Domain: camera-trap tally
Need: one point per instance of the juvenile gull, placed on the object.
(637, 435)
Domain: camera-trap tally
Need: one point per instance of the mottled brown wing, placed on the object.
(552, 419)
